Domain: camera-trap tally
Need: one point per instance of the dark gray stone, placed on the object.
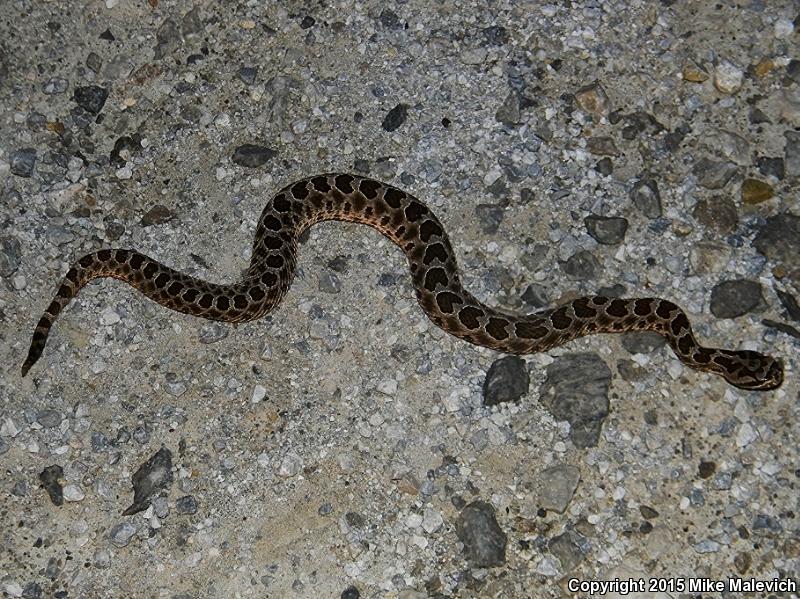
(642, 342)
(557, 485)
(581, 266)
(395, 117)
(252, 156)
(51, 478)
(350, 592)
(730, 299)
(779, 239)
(791, 153)
(55, 85)
(389, 19)
(94, 62)
(91, 98)
(329, 283)
(646, 197)
(121, 534)
(509, 112)
(489, 216)
(9, 255)
(248, 75)
(186, 505)
(790, 303)
(484, 540)
(153, 476)
(576, 390)
(608, 230)
(713, 174)
(771, 167)
(49, 418)
(566, 548)
(506, 380)
(536, 295)
(23, 161)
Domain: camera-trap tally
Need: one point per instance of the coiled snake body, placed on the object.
(410, 224)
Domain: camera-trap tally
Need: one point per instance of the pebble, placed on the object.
(186, 505)
(509, 112)
(19, 282)
(213, 332)
(642, 342)
(576, 390)
(646, 197)
(602, 146)
(350, 592)
(489, 217)
(717, 213)
(608, 230)
(329, 283)
(157, 215)
(728, 77)
(55, 85)
(484, 541)
(566, 547)
(121, 534)
(23, 161)
(593, 99)
(48, 418)
(713, 174)
(91, 98)
(581, 266)
(734, 147)
(755, 191)
(152, 477)
(557, 487)
(432, 521)
(779, 238)
(259, 393)
(507, 380)
(252, 155)
(791, 154)
(290, 465)
(746, 435)
(707, 257)
(535, 295)
(694, 73)
(771, 167)
(248, 75)
(734, 298)
(395, 117)
(73, 493)
(50, 478)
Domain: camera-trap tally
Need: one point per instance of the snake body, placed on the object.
(410, 224)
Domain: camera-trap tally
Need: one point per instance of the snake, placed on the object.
(410, 224)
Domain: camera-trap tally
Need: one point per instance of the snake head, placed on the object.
(755, 371)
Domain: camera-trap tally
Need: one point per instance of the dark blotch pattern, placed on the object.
(415, 210)
(429, 229)
(321, 184)
(435, 251)
(446, 300)
(469, 316)
(393, 197)
(369, 188)
(300, 190)
(434, 277)
(344, 183)
(496, 327)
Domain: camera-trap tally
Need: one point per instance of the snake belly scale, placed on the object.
(411, 225)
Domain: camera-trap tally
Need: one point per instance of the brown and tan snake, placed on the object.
(410, 224)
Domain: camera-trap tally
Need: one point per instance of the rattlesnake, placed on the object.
(410, 224)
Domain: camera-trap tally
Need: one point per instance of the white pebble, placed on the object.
(9, 428)
(98, 366)
(783, 28)
(290, 465)
(414, 521)
(746, 435)
(547, 567)
(19, 282)
(728, 77)
(111, 3)
(259, 393)
(388, 387)
(73, 493)
(223, 120)
(124, 173)
(432, 521)
(109, 317)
